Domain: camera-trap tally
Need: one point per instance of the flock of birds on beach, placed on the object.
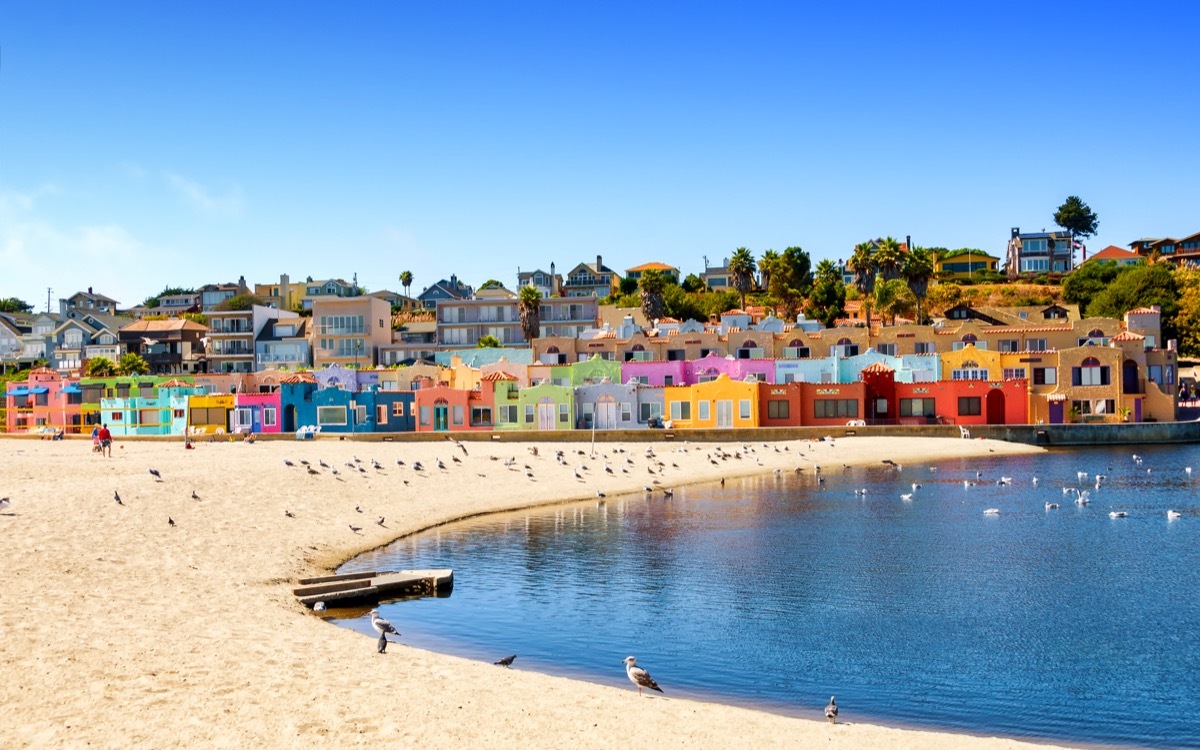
(588, 467)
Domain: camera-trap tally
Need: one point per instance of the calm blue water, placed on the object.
(777, 592)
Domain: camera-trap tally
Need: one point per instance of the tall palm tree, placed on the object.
(918, 271)
(529, 308)
(741, 272)
(862, 263)
(889, 258)
(406, 281)
(765, 266)
(651, 287)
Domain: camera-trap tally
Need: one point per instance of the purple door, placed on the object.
(1056, 412)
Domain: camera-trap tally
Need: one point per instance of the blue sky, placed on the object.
(153, 144)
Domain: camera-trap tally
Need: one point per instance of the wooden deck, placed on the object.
(352, 588)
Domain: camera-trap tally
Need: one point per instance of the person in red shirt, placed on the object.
(105, 440)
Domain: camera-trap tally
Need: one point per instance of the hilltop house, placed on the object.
(591, 280)
(1039, 252)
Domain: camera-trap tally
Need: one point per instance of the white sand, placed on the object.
(118, 630)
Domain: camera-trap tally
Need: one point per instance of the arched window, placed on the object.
(1095, 333)
(844, 342)
(970, 338)
(1089, 372)
(552, 350)
(639, 348)
(797, 342)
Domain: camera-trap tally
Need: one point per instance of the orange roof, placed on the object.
(1112, 252)
(1128, 336)
(1144, 311)
(877, 367)
(492, 377)
(175, 383)
(668, 320)
(653, 266)
(298, 377)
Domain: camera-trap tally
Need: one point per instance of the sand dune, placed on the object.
(120, 630)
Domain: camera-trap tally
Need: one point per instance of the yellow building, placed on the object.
(962, 263)
(209, 415)
(720, 403)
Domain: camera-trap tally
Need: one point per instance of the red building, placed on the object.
(441, 408)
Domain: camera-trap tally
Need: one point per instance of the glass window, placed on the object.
(528, 413)
(268, 416)
(969, 406)
(917, 407)
(744, 408)
(331, 415)
(564, 413)
(425, 416)
(702, 410)
(457, 414)
(681, 410)
(778, 409)
(1014, 373)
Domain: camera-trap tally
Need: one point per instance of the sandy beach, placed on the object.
(120, 630)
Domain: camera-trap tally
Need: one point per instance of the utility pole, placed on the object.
(49, 291)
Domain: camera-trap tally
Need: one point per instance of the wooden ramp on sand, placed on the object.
(351, 588)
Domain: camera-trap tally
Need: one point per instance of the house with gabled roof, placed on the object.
(444, 289)
(1039, 252)
(548, 284)
(591, 280)
(669, 272)
(1113, 254)
(170, 346)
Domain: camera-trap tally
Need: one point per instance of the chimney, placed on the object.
(1016, 231)
(89, 290)
(599, 263)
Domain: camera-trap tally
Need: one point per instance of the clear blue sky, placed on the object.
(152, 144)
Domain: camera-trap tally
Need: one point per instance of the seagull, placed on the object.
(383, 641)
(639, 676)
(831, 710)
(5, 503)
(1117, 514)
(358, 508)
(286, 462)
(117, 497)
(379, 520)
(289, 514)
(355, 529)
(992, 512)
(506, 661)
(195, 496)
(170, 521)
(313, 471)
(1173, 514)
(382, 626)
(1051, 506)
(154, 473)
(668, 492)
(906, 496)
(322, 464)
(1188, 470)
(149, 341)
(319, 607)
(455, 459)
(600, 494)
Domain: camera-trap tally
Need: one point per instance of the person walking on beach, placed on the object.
(96, 438)
(105, 440)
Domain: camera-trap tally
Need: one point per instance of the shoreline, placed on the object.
(189, 633)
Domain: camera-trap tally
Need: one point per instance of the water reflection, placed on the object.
(780, 591)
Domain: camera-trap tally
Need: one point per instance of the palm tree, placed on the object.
(100, 367)
(651, 287)
(862, 263)
(133, 363)
(765, 266)
(741, 272)
(889, 258)
(530, 309)
(918, 271)
(406, 281)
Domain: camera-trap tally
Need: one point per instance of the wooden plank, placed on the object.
(366, 592)
(341, 577)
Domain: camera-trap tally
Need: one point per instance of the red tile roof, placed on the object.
(1112, 252)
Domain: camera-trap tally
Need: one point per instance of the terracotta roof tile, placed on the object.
(493, 377)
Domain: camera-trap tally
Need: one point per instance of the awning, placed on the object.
(18, 392)
(72, 389)
(39, 390)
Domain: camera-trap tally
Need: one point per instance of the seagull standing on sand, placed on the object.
(117, 497)
(382, 626)
(506, 661)
(639, 676)
(319, 607)
(154, 473)
(5, 503)
(831, 710)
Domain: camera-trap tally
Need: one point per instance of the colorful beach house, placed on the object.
(713, 366)
(45, 401)
(607, 406)
(161, 410)
(208, 414)
(257, 413)
(441, 408)
(721, 403)
(395, 411)
(655, 373)
(546, 407)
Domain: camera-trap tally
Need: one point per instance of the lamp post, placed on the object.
(354, 402)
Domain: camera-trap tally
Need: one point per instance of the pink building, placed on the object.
(713, 366)
(658, 373)
(44, 402)
(257, 412)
